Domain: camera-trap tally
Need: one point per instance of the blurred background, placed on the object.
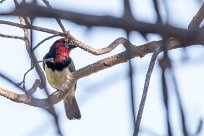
(104, 98)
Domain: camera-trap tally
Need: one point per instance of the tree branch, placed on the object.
(94, 20)
(157, 10)
(12, 36)
(184, 37)
(50, 31)
(165, 63)
(52, 36)
(127, 10)
(137, 51)
(57, 19)
(197, 19)
(78, 43)
(146, 86)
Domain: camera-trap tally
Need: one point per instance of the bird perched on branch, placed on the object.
(57, 71)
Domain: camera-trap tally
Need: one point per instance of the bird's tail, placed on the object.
(71, 108)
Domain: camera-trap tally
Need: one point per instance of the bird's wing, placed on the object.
(45, 57)
(71, 66)
(43, 65)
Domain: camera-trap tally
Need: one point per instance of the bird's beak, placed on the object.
(71, 46)
(68, 44)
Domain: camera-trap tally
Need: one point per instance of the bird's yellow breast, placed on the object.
(56, 78)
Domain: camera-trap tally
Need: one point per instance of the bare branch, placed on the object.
(93, 20)
(165, 63)
(41, 84)
(199, 127)
(197, 19)
(31, 68)
(102, 51)
(26, 35)
(127, 10)
(182, 38)
(20, 98)
(46, 60)
(2, 75)
(138, 51)
(30, 27)
(146, 86)
(78, 43)
(52, 36)
(131, 84)
(12, 36)
(24, 18)
(185, 37)
(156, 7)
(57, 19)
(33, 89)
(180, 105)
(24, 76)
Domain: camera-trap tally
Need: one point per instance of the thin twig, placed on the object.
(27, 44)
(167, 11)
(156, 7)
(127, 10)
(50, 31)
(132, 91)
(131, 84)
(183, 118)
(197, 19)
(57, 19)
(29, 50)
(32, 66)
(34, 87)
(24, 76)
(105, 50)
(164, 63)
(12, 36)
(145, 90)
(46, 60)
(52, 36)
(199, 127)
(5, 77)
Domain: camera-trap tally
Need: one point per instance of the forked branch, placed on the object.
(137, 51)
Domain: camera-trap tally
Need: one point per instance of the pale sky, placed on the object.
(103, 97)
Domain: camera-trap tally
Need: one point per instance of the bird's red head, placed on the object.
(62, 49)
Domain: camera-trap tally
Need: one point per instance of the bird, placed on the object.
(57, 70)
